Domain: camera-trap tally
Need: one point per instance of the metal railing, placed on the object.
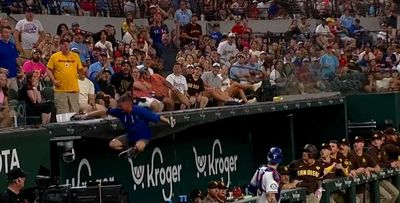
(335, 185)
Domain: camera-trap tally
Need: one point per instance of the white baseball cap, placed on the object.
(216, 65)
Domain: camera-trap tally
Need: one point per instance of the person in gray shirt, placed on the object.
(213, 86)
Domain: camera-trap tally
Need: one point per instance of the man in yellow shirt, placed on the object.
(63, 69)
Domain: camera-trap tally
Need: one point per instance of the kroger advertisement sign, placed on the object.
(164, 172)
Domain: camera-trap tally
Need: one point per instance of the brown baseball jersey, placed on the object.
(379, 156)
(309, 174)
(362, 161)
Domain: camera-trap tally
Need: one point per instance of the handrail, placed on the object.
(338, 184)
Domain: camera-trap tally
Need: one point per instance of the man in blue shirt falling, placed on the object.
(135, 120)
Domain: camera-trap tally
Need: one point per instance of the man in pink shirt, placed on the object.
(35, 64)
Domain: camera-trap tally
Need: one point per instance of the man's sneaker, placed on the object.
(257, 86)
(128, 153)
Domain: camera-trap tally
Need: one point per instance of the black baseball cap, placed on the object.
(30, 9)
(283, 170)
(391, 131)
(377, 135)
(325, 146)
(15, 174)
(221, 185)
(212, 184)
(196, 194)
(358, 139)
(344, 141)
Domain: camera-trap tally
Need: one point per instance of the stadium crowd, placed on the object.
(330, 160)
(181, 67)
(211, 9)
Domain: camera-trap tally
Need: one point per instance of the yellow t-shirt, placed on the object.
(65, 70)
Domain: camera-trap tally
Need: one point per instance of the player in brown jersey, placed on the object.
(332, 168)
(389, 193)
(362, 165)
(344, 157)
(308, 171)
(391, 145)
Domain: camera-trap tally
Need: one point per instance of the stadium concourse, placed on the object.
(180, 67)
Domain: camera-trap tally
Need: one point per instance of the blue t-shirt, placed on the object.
(95, 68)
(217, 36)
(329, 65)
(156, 33)
(8, 58)
(83, 51)
(137, 122)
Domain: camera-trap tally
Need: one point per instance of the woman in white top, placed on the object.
(105, 45)
(275, 76)
(255, 48)
(179, 93)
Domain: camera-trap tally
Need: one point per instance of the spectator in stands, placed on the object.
(305, 27)
(131, 7)
(238, 28)
(9, 63)
(125, 25)
(192, 32)
(102, 8)
(227, 49)
(389, 193)
(105, 92)
(196, 88)
(239, 70)
(122, 81)
(308, 171)
(88, 7)
(70, 7)
(130, 34)
(46, 42)
(35, 64)
(105, 45)
(323, 34)
(160, 86)
(87, 96)
(82, 48)
(63, 69)
(183, 14)
(5, 23)
(179, 92)
(102, 63)
(346, 20)
(153, 9)
(62, 29)
(30, 93)
(330, 63)
(142, 92)
(362, 164)
(263, 6)
(157, 30)
(213, 85)
(5, 119)
(169, 49)
(29, 33)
